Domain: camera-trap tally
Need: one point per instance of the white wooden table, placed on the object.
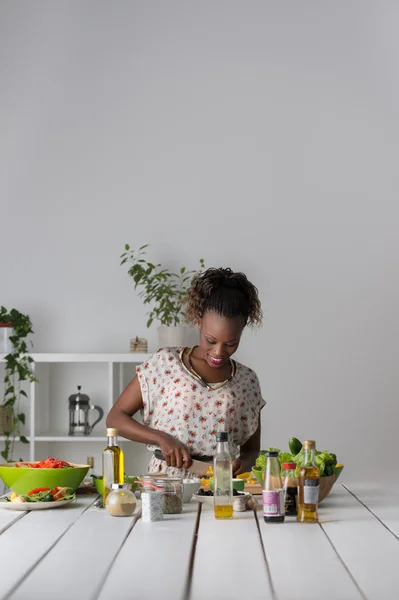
(81, 552)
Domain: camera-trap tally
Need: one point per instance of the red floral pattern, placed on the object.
(174, 402)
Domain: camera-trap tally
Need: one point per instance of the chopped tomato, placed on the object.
(48, 463)
(58, 492)
(38, 490)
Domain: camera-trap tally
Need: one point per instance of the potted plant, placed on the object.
(164, 290)
(17, 370)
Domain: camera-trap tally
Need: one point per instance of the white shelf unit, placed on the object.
(102, 376)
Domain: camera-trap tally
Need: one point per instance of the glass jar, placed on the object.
(121, 502)
(172, 490)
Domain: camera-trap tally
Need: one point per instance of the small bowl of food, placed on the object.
(190, 487)
(238, 484)
(98, 483)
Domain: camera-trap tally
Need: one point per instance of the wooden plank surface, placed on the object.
(368, 549)
(382, 500)
(77, 565)
(8, 518)
(30, 538)
(154, 560)
(303, 564)
(229, 562)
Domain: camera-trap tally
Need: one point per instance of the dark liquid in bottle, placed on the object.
(290, 501)
(279, 519)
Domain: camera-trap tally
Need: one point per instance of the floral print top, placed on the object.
(174, 401)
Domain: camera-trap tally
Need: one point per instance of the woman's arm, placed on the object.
(248, 454)
(121, 416)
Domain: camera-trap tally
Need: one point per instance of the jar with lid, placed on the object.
(121, 502)
(172, 491)
(290, 485)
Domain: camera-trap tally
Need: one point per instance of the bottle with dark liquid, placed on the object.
(273, 493)
(290, 484)
(308, 486)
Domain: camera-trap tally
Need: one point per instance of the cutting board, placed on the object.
(254, 488)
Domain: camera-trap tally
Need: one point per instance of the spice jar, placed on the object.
(172, 491)
(121, 502)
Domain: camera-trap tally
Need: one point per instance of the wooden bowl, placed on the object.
(326, 483)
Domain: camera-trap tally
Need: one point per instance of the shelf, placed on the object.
(69, 438)
(55, 357)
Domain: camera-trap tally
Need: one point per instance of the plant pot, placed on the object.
(6, 332)
(5, 419)
(173, 336)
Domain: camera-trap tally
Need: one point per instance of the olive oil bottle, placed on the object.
(308, 486)
(112, 462)
(223, 474)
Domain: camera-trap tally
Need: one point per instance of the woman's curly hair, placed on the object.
(224, 292)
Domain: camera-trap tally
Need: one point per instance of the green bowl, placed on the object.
(238, 484)
(22, 480)
(259, 476)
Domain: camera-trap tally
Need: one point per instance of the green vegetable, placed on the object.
(294, 445)
(324, 460)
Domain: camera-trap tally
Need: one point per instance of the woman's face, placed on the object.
(219, 338)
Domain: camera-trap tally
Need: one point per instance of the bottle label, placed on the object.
(311, 491)
(273, 503)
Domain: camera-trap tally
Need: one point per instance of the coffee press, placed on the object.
(79, 406)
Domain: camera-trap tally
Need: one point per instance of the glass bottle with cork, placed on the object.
(273, 492)
(223, 475)
(308, 486)
(112, 463)
(290, 485)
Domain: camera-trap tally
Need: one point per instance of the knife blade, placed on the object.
(198, 467)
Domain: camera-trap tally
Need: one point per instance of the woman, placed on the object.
(186, 395)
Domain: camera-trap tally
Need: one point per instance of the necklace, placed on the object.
(211, 387)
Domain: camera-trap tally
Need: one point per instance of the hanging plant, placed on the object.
(17, 370)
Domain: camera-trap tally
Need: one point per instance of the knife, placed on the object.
(199, 466)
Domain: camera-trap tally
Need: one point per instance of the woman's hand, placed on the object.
(175, 453)
(243, 464)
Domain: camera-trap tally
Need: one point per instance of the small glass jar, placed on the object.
(172, 490)
(121, 502)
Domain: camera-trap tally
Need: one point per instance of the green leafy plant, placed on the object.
(162, 289)
(17, 370)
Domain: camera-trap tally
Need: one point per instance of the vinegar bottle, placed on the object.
(273, 492)
(113, 463)
(223, 474)
(308, 486)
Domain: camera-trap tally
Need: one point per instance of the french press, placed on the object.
(79, 406)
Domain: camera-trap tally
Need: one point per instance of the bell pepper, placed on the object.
(38, 490)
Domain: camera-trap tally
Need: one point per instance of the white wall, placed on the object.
(259, 135)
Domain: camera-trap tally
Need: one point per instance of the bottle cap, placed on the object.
(121, 486)
(309, 445)
(271, 454)
(112, 432)
(288, 466)
(222, 436)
